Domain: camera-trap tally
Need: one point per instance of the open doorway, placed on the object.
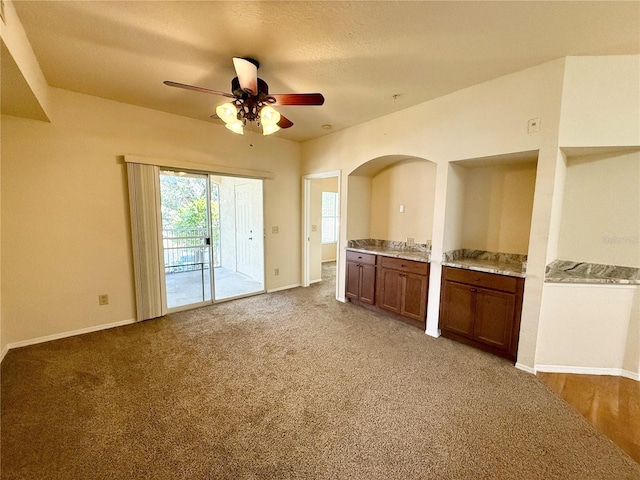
(321, 226)
(212, 241)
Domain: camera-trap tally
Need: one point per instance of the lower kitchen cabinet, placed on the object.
(361, 277)
(403, 287)
(396, 286)
(482, 310)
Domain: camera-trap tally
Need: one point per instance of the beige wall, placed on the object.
(410, 183)
(498, 201)
(597, 91)
(359, 210)
(600, 220)
(487, 120)
(65, 220)
(590, 327)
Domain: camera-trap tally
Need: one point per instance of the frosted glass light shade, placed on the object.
(227, 112)
(269, 129)
(235, 127)
(269, 116)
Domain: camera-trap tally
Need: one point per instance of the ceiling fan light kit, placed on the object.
(251, 100)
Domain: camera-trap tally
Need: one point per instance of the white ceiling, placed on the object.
(360, 55)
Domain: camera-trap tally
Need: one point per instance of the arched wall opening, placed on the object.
(392, 198)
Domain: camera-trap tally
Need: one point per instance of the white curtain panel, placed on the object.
(144, 205)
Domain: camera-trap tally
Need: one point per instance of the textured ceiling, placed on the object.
(367, 58)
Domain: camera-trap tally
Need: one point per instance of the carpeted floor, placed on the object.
(286, 385)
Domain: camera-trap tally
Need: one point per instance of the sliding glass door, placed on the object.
(186, 238)
(212, 238)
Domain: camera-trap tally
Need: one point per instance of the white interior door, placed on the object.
(244, 230)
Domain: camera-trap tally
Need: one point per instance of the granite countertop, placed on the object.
(563, 271)
(510, 264)
(417, 252)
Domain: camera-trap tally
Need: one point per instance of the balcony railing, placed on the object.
(186, 249)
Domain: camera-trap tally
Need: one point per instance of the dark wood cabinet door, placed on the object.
(390, 290)
(458, 309)
(494, 318)
(414, 296)
(353, 280)
(367, 283)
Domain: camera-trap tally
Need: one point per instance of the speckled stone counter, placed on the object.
(511, 264)
(563, 271)
(419, 252)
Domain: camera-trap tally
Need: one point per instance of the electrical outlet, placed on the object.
(103, 299)
(314, 228)
(276, 272)
(410, 241)
(275, 230)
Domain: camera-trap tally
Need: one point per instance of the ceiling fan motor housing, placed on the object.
(263, 89)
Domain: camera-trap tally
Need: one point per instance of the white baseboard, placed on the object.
(315, 281)
(71, 333)
(327, 261)
(525, 368)
(434, 334)
(287, 287)
(617, 372)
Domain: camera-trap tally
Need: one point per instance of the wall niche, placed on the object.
(392, 198)
(490, 202)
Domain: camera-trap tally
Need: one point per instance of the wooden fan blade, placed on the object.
(285, 122)
(247, 74)
(197, 89)
(298, 98)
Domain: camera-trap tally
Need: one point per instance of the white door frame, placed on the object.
(306, 221)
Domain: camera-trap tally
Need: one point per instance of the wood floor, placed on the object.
(610, 403)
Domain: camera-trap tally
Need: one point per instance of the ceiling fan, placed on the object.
(252, 101)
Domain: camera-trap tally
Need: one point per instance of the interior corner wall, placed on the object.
(359, 208)
(556, 207)
(410, 183)
(601, 210)
(497, 207)
(65, 215)
(18, 45)
(454, 210)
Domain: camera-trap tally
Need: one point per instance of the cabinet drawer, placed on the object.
(408, 266)
(481, 279)
(358, 257)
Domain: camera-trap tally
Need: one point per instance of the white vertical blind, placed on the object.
(143, 204)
